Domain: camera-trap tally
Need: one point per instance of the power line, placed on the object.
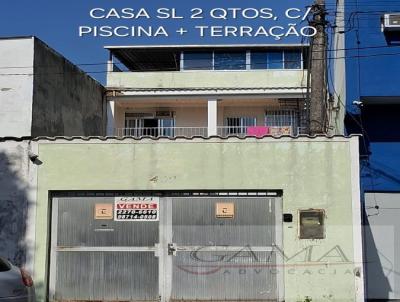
(200, 59)
(202, 67)
(349, 113)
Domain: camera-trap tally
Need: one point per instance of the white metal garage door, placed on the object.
(168, 249)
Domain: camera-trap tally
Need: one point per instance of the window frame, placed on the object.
(139, 123)
(182, 63)
(243, 52)
(242, 125)
(248, 63)
(281, 116)
(284, 53)
(301, 59)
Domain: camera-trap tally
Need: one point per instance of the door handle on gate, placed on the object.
(172, 249)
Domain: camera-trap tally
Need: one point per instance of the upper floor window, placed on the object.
(238, 125)
(243, 60)
(292, 59)
(198, 60)
(266, 60)
(147, 124)
(282, 122)
(230, 60)
(276, 59)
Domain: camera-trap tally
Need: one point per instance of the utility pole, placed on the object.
(317, 108)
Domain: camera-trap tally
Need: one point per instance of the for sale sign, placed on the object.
(137, 208)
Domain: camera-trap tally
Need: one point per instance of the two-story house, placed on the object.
(207, 90)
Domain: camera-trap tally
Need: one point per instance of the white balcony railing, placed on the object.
(162, 131)
(223, 131)
(258, 131)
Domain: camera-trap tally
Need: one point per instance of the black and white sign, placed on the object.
(137, 208)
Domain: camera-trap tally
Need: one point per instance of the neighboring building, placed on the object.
(42, 93)
(207, 90)
(372, 31)
(231, 219)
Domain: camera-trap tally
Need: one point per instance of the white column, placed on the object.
(111, 118)
(212, 116)
(110, 66)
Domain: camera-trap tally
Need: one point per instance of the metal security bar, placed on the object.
(236, 126)
(283, 118)
(247, 131)
(201, 193)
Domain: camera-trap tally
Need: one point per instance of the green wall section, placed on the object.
(209, 79)
(313, 173)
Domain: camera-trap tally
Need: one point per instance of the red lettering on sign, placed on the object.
(137, 206)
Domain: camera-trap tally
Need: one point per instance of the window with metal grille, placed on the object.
(282, 121)
(312, 224)
(239, 125)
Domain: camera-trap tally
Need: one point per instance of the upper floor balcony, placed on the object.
(189, 117)
(196, 70)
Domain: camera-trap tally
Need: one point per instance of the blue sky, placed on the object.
(57, 23)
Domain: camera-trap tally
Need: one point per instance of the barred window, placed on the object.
(239, 125)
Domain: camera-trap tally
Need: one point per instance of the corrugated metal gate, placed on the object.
(199, 248)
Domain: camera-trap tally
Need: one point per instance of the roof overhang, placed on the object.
(205, 46)
(205, 93)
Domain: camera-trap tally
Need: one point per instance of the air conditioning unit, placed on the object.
(164, 114)
(391, 22)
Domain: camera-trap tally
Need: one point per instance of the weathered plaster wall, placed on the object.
(17, 201)
(16, 86)
(66, 101)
